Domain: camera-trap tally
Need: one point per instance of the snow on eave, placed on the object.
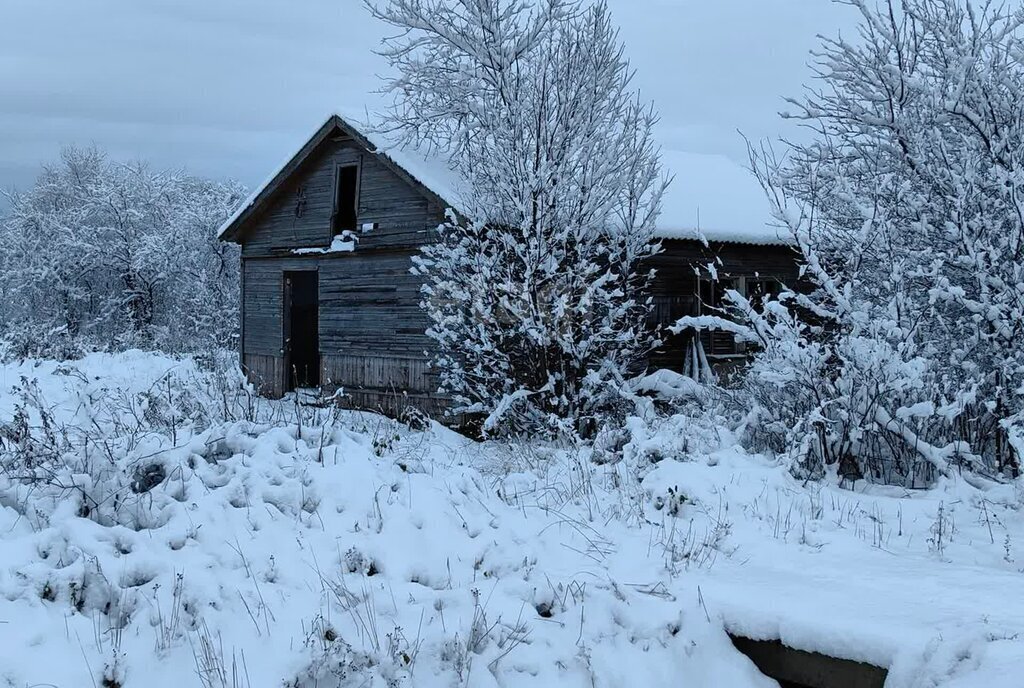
(754, 236)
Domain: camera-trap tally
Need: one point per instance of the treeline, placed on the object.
(107, 255)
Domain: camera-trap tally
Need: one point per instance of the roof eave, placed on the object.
(710, 238)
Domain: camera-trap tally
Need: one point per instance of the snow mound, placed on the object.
(668, 384)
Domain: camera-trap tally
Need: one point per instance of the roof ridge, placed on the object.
(721, 185)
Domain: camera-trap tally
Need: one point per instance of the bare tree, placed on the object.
(535, 291)
(907, 207)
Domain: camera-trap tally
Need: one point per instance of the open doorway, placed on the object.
(302, 329)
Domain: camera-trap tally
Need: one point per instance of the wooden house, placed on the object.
(328, 298)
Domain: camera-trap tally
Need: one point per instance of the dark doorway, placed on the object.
(302, 329)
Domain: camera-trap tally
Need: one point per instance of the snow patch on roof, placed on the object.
(715, 198)
(430, 169)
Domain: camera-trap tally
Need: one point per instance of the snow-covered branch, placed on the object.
(113, 255)
(907, 211)
(537, 295)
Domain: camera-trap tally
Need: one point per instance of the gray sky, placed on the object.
(231, 87)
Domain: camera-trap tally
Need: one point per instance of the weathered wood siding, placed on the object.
(369, 305)
(371, 329)
(262, 307)
(266, 373)
(299, 215)
(388, 383)
(372, 332)
(676, 285)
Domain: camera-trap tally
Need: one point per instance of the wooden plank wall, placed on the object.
(386, 383)
(369, 305)
(261, 326)
(372, 332)
(379, 372)
(404, 216)
(675, 287)
(266, 373)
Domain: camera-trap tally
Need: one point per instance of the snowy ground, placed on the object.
(351, 550)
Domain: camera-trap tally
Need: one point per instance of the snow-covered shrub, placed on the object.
(24, 340)
(679, 435)
(903, 352)
(850, 395)
(106, 255)
(535, 294)
(330, 661)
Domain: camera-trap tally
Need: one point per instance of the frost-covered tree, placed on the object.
(908, 208)
(535, 289)
(101, 254)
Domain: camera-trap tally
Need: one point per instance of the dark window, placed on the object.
(713, 301)
(760, 289)
(346, 199)
(713, 295)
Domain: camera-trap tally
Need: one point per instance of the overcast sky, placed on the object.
(231, 87)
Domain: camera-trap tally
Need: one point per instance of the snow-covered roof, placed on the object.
(711, 197)
(429, 169)
(715, 198)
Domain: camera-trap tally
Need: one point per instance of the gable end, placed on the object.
(334, 130)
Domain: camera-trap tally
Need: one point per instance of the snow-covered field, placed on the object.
(177, 532)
